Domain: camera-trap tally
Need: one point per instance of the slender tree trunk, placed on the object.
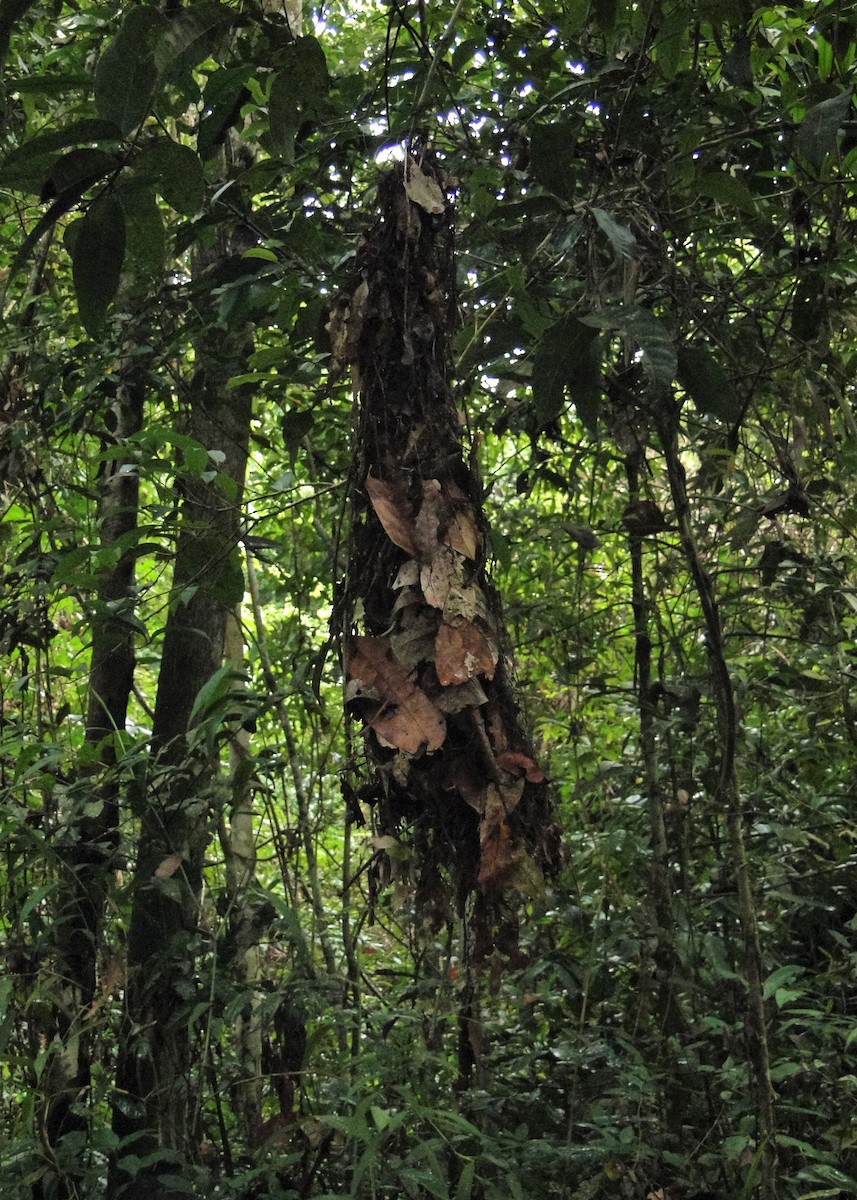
(154, 1067)
(244, 959)
(88, 840)
(729, 797)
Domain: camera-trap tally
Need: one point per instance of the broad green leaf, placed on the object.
(778, 978)
(144, 227)
(728, 191)
(621, 238)
(567, 362)
(98, 252)
(296, 92)
(283, 116)
(91, 129)
(552, 157)
(737, 67)
(191, 36)
(296, 424)
(220, 685)
(175, 172)
(707, 384)
(81, 167)
(816, 136)
(671, 41)
(658, 358)
(126, 75)
(225, 90)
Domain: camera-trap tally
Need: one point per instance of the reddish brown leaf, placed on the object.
(504, 862)
(517, 763)
(461, 651)
(406, 719)
(393, 511)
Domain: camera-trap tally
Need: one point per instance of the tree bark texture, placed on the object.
(88, 840)
(425, 657)
(153, 1075)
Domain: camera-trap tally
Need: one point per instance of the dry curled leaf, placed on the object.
(443, 572)
(394, 512)
(404, 718)
(516, 763)
(462, 650)
(422, 189)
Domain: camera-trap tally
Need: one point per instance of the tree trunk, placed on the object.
(425, 654)
(88, 839)
(153, 1074)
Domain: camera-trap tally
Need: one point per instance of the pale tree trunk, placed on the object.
(244, 959)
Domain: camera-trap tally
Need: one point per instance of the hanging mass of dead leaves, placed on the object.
(424, 659)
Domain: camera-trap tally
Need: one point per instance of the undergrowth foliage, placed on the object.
(274, 912)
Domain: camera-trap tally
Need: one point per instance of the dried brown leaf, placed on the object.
(422, 189)
(414, 642)
(462, 534)
(517, 763)
(428, 519)
(408, 575)
(445, 570)
(466, 600)
(394, 512)
(405, 719)
(461, 651)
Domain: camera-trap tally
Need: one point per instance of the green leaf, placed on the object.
(225, 91)
(464, 1188)
(144, 226)
(552, 159)
(126, 75)
(221, 684)
(671, 41)
(296, 424)
(175, 172)
(34, 900)
(707, 384)
(816, 136)
(658, 359)
(728, 191)
(190, 37)
(296, 92)
(98, 252)
(81, 168)
(778, 978)
(621, 238)
(90, 129)
(737, 67)
(567, 360)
